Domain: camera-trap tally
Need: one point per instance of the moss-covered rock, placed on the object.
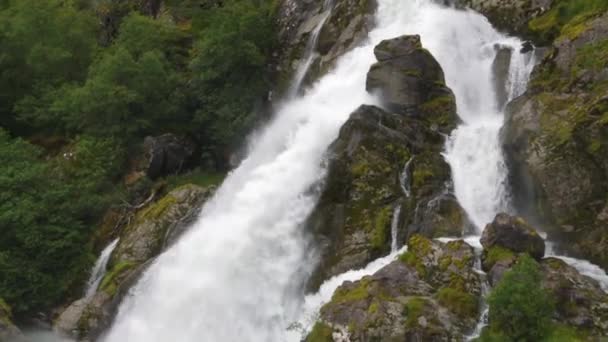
(386, 171)
(431, 294)
(513, 234)
(153, 228)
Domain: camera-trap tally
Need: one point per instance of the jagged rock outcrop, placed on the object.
(514, 234)
(386, 168)
(500, 72)
(409, 80)
(8, 330)
(555, 139)
(151, 230)
(430, 294)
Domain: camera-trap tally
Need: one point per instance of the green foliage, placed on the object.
(198, 177)
(519, 308)
(229, 68)
(46, 211)
(44, 44)
(320, 333)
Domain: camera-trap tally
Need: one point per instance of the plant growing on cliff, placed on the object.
(520, 310)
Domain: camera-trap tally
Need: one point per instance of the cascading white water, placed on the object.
(99, 270)
(236, 275)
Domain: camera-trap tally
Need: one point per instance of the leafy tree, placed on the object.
(44, 45)
(229, 68)
(46, 214)
(520, 310)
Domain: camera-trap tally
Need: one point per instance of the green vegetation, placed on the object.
(457, 301)
(342, 295)
(413, 310)
(81, 84)
(520, 310)
(567, 17)
(320, 333)
(496, 254)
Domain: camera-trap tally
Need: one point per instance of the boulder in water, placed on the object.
(512, 234)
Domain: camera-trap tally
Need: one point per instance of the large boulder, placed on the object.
(514, 234)
(409, 80)
(430, 294)
(385, 171)
(151, 229)
(166, 154)
(555, 141)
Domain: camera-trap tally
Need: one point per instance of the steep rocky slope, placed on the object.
(556, 136)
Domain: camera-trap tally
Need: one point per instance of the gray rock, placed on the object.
(406, 75)
(500, 73)
(514, 234)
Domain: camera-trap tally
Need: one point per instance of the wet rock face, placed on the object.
(500, 72)
(407, 76)
(384, 170)
(430, 294)
(554, 138)
(579, 300)
(346, 27)
(514, 234)
(153, 228)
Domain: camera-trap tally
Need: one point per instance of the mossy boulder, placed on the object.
(430, 294)
(556, 139)
(510, 233)
(152, 229)
(8, 330)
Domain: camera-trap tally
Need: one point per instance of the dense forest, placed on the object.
(81, 84)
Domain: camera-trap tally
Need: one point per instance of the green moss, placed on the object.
(155, 210)
(413, 310)
(439, 110)
(110, 281)
(373, 307)
(382, 226)
(458, 302)
(350, 295)
(496, 254)
(5, 313)
(321, 332)
(198, 177)
(566, 17)
(360, 168)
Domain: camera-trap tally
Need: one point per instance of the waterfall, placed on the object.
(99, 270)
(237, 274)
(404, 180)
